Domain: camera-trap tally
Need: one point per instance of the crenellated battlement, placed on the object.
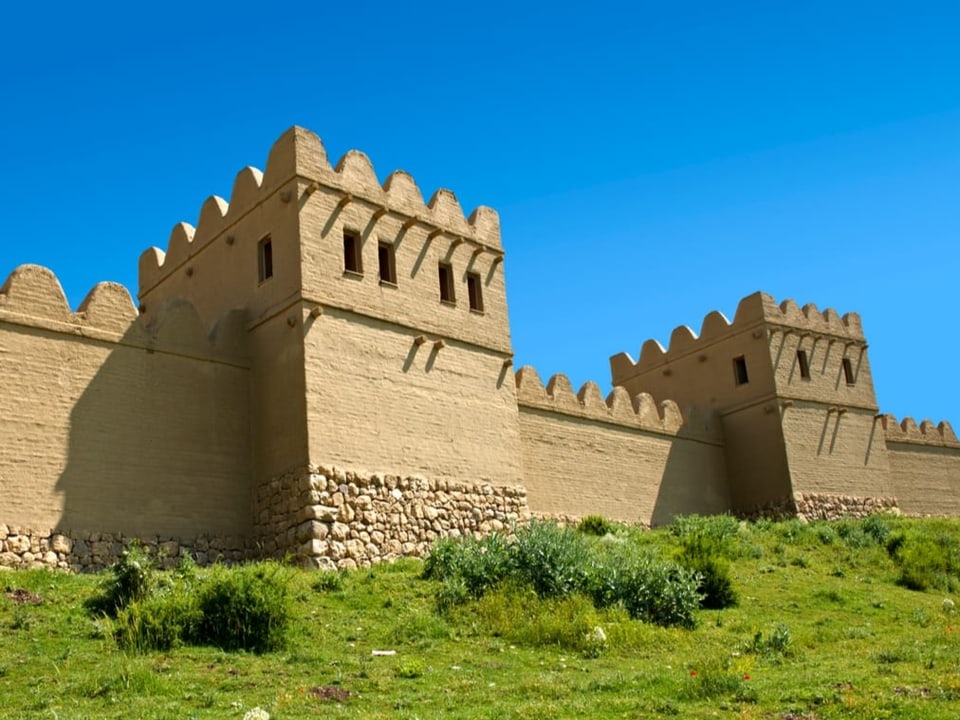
(298, 171)
(640, 412)
(32, 296)
(926, 433)
(752, 312)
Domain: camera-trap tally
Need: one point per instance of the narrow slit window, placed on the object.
(475, 292)
(848, 372)
(740, 370)
(387, 262)
(447, 294)
(265, 259)
(351, 252)
(804, 363)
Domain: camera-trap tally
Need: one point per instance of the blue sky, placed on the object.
(651, 161)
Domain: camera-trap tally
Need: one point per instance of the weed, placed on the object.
(328, 581)
(130, 579)
(596, 525)
(409, 669)
(778, 643)
(244, 608)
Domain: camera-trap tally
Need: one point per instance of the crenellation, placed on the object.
(640, 411)
(34, 291)
(924, 433)
(109, 306)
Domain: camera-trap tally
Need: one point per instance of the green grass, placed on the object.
(822, 630)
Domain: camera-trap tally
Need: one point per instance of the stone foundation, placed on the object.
(335, 519)
(91, 552)
(814, 506)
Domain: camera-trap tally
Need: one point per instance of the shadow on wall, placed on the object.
(694, 481)
(159, 440)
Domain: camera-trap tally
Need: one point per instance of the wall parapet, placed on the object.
(926, 433)
(640, 412)
(752, 311)
(300, 154)
(32, 296)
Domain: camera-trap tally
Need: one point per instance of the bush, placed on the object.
(716, 585)
(157, 622)
(476, 565)
(877, 527)
(131, 578)
(648, 588)
(705, 547)
(554, 560)
(244, 608)
(596, 525)
(926, 559)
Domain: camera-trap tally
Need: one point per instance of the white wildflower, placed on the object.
(258, 713)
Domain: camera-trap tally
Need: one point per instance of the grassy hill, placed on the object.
(826, 626)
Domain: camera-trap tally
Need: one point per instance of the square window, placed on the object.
(740, 370)
(475, 292)
(352, 260)
(804, 364)
(387, 262)
(265, 259)
(447, 294)
(848, 372)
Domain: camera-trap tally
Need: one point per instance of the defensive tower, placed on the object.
(795, 394)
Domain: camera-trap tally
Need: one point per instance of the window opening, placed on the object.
(387, 262)
(804, 364)
(475, 292)
(265, 259)
(848, 372)
(351, 252)
(740, 370)
(447, 294)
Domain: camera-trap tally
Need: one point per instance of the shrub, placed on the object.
(596, 525)
(158, 622)
(704, 552)
(926, 558)
(716, 585)
(476, 564)
(877, 527)
(244, 608)
(554, 560)
(648, 588)
(131, 578)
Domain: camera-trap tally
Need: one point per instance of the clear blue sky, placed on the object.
(651, 161)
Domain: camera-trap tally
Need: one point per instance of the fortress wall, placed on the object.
(421, 236)
(834, 452)
(924, 466)
(627, 460)
(110, 425)
(377, 399)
